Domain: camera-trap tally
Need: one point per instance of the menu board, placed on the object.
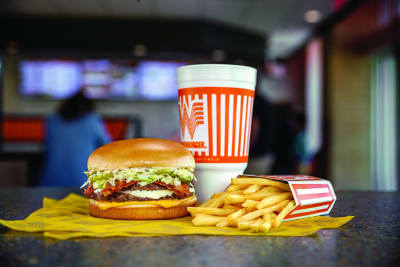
(99, 79)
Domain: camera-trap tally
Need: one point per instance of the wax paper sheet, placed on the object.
(69, 218)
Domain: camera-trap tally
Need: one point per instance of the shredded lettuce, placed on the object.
(168, 175)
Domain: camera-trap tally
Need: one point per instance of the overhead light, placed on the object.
(218, 55)
(283, 42)
(139, 50)
(276, 70)
(312, 16)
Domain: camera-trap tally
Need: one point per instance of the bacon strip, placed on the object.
(110, 189)
(88, 191)
(180, 190)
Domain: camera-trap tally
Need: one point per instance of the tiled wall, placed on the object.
(349, 115)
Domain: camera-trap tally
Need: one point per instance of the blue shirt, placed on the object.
(69, 144)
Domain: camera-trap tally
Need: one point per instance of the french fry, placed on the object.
(199, 215)
(273, 220)
(225, 222)
(261, 196)
(235, 187)
(255, 226)
(217, 194)
(206, 220)
(252, 189)
(250, 203)
(245, 225)
(258, 213)
(285, 211)
(267, 222)
(270, 188)
(237, 192)
(210, 211)
(259, 181)
(250, 216)
(280, 208)
(265, 192)
(229, 206)
(236, 214)
(273, 199)
(218, 201)
(251, 209)
(277, 206)
(234, 198)
(208, 202)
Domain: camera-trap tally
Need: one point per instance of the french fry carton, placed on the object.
(313, 196)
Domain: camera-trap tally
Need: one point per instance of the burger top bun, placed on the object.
(140, 152)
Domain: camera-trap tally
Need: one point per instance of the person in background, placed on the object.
(71, 136)
(262, 137)
(285, 158)
(304, 159)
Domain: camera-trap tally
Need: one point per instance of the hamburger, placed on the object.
(138, 179)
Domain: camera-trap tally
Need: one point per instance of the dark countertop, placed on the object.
(372, 238)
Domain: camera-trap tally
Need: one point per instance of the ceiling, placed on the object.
(281, 20)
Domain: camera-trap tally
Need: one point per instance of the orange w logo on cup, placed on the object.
(215, 108)
(192, 115)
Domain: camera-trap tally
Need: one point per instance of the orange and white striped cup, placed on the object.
(215, 110)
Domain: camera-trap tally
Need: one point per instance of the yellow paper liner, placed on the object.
(69, 218)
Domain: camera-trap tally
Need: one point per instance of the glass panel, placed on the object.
(384, 123)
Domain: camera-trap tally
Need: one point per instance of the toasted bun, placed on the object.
(141, 152)
(139, 213)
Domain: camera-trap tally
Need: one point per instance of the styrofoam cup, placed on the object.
(215, 110)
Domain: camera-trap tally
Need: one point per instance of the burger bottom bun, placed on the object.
(139, 213)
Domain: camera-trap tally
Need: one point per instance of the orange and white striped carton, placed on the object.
(313, 196)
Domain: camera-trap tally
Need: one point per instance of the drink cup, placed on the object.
(215, 111)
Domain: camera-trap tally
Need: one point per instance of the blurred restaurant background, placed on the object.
(326, 97)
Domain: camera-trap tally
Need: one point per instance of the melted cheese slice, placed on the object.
(167, 203)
